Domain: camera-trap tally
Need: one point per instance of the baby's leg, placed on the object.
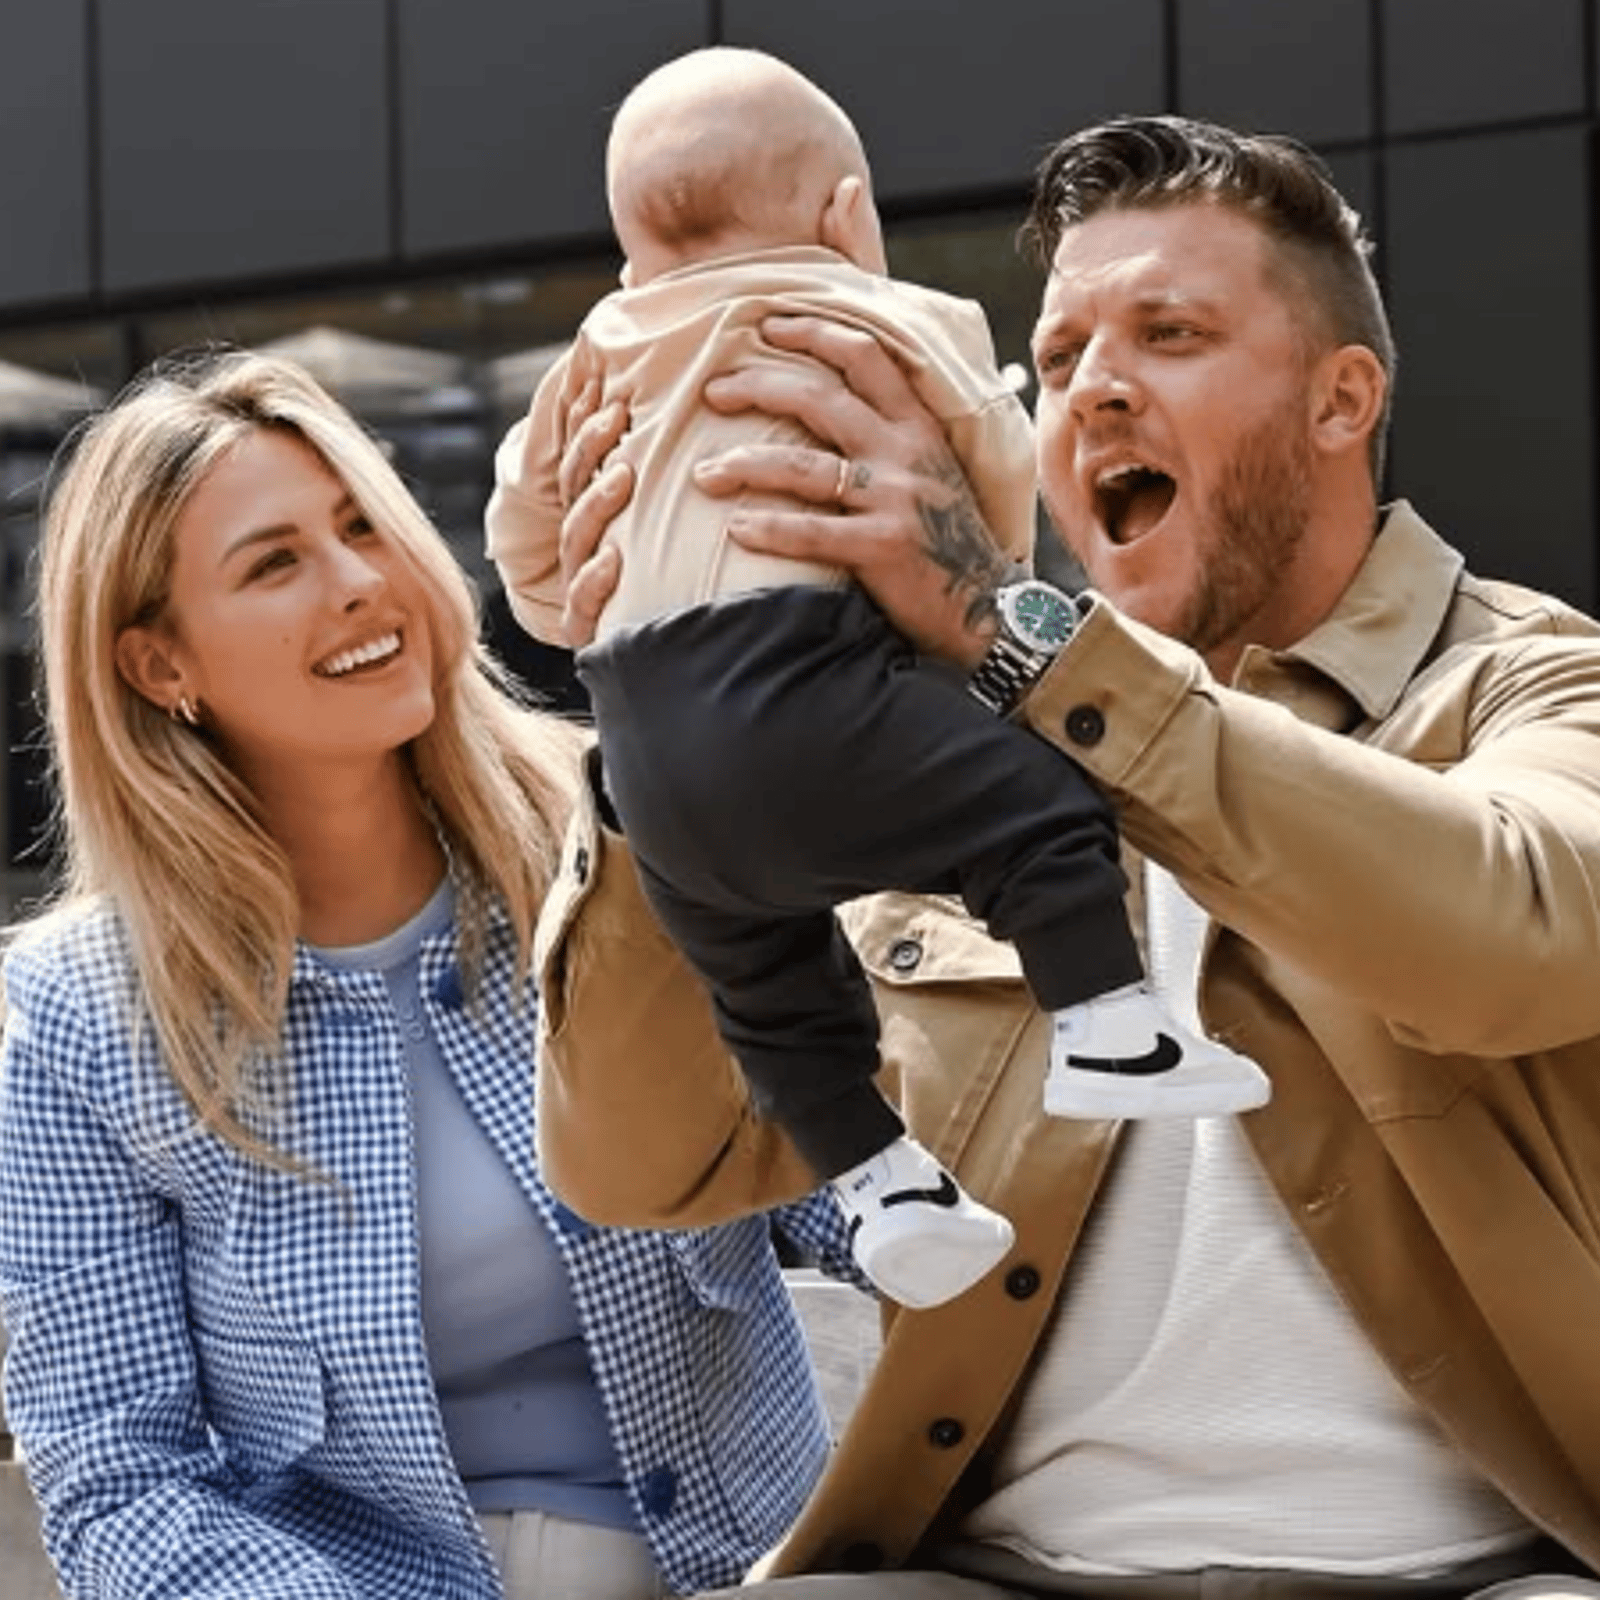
(1124, 1054)
(1035, 844)
(796, 1010)
(914, 1231)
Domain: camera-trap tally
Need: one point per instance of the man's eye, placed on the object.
(1057, 363)
(1173, 332)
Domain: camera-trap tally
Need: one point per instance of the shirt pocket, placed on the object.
(727, 1268)
(265, 1400)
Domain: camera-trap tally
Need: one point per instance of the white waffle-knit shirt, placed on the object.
(1205, 1399)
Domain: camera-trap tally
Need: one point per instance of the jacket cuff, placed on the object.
(1106, 698)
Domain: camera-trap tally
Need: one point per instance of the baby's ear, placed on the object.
(850, 224)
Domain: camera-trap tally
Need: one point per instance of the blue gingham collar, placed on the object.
(310, 972)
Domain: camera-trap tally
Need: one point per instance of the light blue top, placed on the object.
(521, 1410)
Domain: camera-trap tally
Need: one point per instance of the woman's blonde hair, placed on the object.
(150, 816)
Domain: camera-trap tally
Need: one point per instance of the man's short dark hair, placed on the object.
(1142, 163)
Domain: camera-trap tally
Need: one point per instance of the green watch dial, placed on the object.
(1043, 616)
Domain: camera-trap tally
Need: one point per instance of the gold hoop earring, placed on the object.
(185, 710)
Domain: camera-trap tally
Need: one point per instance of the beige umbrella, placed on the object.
(513, 378)
(30, 399)
(370, 374)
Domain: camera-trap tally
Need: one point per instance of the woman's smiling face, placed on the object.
(300, 628)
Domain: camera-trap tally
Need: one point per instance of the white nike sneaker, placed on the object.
(914, 1231)
(1123, 1054)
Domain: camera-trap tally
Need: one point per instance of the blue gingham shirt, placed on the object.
(218, 1371)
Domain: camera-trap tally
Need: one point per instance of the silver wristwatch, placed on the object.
(1035, 621)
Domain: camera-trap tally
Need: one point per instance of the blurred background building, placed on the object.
(407, 194)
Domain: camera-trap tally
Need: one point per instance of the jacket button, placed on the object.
(658, 1490)
(863, 1557)
(1022, 1283)
(1086, 725)
(569, 1222)
(905, 955)
(946, 1434)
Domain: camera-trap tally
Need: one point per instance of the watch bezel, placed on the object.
(1016, 658)
(1011, 601)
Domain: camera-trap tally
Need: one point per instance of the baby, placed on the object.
(771, 745)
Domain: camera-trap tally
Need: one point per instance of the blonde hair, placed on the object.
(150, 816)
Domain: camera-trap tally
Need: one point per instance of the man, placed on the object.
(1344, 1345)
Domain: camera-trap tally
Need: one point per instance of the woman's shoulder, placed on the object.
(76, 952)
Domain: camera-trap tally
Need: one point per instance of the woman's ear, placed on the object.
(1349, 398)
(149, 666)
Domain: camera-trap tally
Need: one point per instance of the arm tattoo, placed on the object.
(956, 540)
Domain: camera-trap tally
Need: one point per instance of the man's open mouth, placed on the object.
(1131, 500)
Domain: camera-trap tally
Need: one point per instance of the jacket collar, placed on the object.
(1357, 662)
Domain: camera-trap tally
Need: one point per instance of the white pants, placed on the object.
(542, 1557)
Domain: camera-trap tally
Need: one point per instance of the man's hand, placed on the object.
(593, 494)
(894, 507)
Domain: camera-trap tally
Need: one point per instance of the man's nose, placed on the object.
(1101, 379)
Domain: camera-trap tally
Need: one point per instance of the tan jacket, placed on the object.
(658, 345)
(1410, 946)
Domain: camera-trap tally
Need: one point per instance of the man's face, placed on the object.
(1174, 422)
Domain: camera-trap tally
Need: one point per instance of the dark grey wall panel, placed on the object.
(1496, 402)
(44, 151)
(952, 97)
(242, 139)
(1452, 63)
(1303, 67)
(505, 110)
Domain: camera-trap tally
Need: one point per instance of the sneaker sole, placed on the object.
(919, 1272)
(1079, 1094)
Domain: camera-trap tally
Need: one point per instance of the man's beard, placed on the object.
(1249, 532)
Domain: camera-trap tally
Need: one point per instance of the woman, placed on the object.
(291, 1313)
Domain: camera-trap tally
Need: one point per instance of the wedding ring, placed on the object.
(844, 480)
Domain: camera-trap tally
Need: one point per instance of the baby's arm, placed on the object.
(523, 521)
(990, 432)
(994, 445)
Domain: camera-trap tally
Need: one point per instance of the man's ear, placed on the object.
(1348, 398)
(148, 662)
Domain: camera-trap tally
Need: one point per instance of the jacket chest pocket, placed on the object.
(953, 1005)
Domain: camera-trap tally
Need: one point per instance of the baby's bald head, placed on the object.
(724, 150)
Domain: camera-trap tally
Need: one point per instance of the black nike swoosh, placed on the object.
(1165, 1055)
(946, 1195)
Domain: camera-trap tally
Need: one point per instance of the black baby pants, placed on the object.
(774, 754)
